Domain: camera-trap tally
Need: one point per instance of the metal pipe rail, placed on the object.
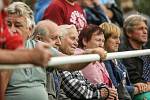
(81, 58)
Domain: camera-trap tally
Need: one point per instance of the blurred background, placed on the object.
(142, 6)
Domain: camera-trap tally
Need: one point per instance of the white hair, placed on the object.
(66, 29)
(21, 9)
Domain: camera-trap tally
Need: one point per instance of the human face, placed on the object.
(139, 34)
(53, 39)
(97, 40)
(18, 24)
(69, 43)
(112, 43)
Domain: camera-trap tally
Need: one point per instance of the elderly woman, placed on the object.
(115, 68)
(92, 37)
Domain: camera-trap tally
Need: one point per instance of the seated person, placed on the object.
(73, 83)
(136, 36)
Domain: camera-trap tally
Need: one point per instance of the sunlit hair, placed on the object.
(110, 29)
(66, 29)
(132, 21)
(21, 9)
(87, 33)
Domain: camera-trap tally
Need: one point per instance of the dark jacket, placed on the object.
(118, 74)
(134, 65)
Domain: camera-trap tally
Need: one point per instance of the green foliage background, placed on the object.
(143, 6)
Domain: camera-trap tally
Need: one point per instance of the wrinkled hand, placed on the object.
(41, 54)
(113, 95)
(136, 91)
(102, 53)
(142, 87)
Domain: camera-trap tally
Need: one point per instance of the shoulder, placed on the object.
(78, 51)
(55, 52)
(30, 43)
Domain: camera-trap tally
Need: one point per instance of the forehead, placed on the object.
(140, 23)
(73, 34)
(54, 33)
(15, 18)
(97, 33)
(116, 34)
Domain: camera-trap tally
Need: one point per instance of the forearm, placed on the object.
(15, 57)
(73, 67)
(77, 66)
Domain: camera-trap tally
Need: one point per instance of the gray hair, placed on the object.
(66, 29)
(132, 21)
(21, 9)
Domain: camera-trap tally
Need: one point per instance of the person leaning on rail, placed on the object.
(14, 57)
(38, 56)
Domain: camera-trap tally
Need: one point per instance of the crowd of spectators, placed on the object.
(33, 31)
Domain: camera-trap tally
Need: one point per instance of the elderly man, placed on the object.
(6, 40)
(24, 82)
(136, 33)
(38, 55)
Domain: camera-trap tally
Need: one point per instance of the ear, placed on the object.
(38, 37)
(30, 32)
(84, 42)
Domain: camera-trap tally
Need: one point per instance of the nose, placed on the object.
(118, 41)
(13, 29)
(145, 31)
(76, 43)
(58, 42)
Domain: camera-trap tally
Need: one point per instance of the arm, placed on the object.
(73, 67)
(38, 56)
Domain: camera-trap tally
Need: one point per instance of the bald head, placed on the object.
(47, 31)
(45, 27)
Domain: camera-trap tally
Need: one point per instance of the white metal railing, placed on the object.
(82, 58)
